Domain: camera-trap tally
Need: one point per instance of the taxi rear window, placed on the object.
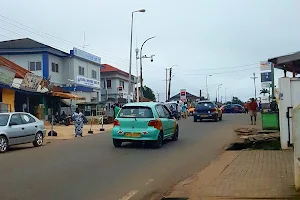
(205, 105)
(136, 112)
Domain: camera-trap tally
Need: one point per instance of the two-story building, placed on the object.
(77, 71)
(114, 84)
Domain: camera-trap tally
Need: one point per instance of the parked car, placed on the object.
(19, 128)
(144, 122)
(233, 108)
(207, 110)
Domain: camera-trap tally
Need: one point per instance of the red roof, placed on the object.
(109, 68)
(20, 71)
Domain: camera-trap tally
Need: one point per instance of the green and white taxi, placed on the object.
(144, 122)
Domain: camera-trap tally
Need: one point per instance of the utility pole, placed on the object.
(166, 84)
(157, 97)
(170, 77)
(254, 77)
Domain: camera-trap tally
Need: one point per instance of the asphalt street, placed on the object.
(90, 168)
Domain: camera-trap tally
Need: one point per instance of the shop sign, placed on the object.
(6, 76)
(31, 82)
(86, 55)
(265, 66)
(88, 82)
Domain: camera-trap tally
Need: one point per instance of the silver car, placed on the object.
(20, 128)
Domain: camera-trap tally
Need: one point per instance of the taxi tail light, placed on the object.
(116, 122)
(156, 124)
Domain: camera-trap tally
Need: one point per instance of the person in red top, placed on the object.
(253, 110)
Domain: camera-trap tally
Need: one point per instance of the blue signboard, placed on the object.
(86, 55)
(266, 77)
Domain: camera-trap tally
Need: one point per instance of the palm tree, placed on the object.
(264, 91)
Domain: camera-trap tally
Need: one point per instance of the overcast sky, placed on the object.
(226, 39)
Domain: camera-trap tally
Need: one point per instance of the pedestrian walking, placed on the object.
(116, 110)
(253, 111)
(78, 122)
(246, 107)
(184, 110)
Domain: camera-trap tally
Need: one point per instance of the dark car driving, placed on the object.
(233, 108)
(207, 110)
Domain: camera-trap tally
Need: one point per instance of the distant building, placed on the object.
(189, 97)
(114, 84)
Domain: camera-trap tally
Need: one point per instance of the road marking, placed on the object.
(149, 181)
(129, 195)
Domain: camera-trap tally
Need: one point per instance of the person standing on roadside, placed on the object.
(184, 110)
(253, 110)
(116, 110)
(78, 121)
(246, 107)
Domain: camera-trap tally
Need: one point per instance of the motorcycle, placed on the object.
(65, 120)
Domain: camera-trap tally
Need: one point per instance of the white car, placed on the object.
(20, 128)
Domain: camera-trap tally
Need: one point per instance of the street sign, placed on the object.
(266, 76)
(265, 66)
(183, 95)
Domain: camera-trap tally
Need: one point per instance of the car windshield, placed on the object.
(4, 119)
(171, 104)
(136, 112)
(205, 105)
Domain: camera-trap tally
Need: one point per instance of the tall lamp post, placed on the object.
(141, 65)
(217, 92)
(225, 95)
(207, 95)
(130, 54)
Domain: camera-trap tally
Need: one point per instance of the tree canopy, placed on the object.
(148, 93)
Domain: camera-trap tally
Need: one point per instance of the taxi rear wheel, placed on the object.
(117, 143)
(157, 144)
(175, 136)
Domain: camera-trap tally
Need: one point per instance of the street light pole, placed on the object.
(225, 95)
(207, 95)
(141, 65)
(130, 54)
(218, 99)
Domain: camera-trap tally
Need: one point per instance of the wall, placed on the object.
(24, 59)
(88, 67)
(8, 97)
(59, 77)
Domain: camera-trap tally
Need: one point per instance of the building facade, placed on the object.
(114, 84)
(77, 71)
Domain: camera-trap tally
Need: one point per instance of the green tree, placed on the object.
(148, 93)
(236, 100)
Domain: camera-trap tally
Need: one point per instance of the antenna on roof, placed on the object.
(84, 44)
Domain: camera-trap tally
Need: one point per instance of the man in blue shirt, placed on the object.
(184, 110)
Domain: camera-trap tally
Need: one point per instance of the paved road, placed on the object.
(90, 168)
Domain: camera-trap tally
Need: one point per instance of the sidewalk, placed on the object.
(246, 174)
(67, 132)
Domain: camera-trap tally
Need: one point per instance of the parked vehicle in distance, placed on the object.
(207, 110)
(233, 108)
(65, 120)
(144, 122)
(20, 128)
(175, 105)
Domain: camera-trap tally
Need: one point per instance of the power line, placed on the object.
(239, 66)
(220, 72)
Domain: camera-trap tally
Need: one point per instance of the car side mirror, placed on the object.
(12, 124)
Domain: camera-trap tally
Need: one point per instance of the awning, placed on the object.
(67, 96)
(290, 62)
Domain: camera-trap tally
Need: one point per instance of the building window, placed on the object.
(108, 82)
(35, 66)
(122, 83)
(94, 74)
(81, 71)
(55, 67)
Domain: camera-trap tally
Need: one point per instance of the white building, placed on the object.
(77, 71)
